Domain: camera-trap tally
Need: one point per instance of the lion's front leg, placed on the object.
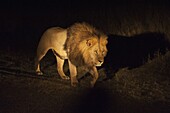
(93, 71)
(73, 74)
(60, 64)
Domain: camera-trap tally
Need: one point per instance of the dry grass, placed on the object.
(23, 91)
(150, 82)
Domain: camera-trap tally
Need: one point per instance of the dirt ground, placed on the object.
(21, 91)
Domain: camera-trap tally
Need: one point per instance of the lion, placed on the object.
(81, 44)
(53, 38)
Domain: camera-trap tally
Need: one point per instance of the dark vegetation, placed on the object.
(137, 64)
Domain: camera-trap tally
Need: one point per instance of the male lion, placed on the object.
(81, 44)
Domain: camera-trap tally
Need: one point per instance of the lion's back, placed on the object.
(54, 37)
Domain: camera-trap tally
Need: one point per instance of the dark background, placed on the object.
(23, 22)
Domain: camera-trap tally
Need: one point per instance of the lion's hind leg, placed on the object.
(40, 55)
(37, 65)
(60, 64)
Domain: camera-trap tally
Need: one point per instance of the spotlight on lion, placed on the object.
(83, 46)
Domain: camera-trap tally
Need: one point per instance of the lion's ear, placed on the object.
(89, 42)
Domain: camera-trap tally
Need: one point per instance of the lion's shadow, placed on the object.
(133, 51)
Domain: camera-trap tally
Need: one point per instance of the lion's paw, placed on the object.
(65, 77)
(74, 84)
(39, 73)
(92, 84)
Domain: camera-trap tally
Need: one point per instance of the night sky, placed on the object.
(25, 21)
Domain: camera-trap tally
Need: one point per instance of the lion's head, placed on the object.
(85, 45)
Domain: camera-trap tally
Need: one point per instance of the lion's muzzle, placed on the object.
(99, 63)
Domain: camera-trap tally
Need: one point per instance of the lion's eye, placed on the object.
(96, 52)
(103, 52)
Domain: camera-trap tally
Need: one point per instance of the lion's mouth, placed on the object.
(98, 64)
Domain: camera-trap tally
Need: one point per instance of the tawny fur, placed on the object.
(81, 44)
(79, 53)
